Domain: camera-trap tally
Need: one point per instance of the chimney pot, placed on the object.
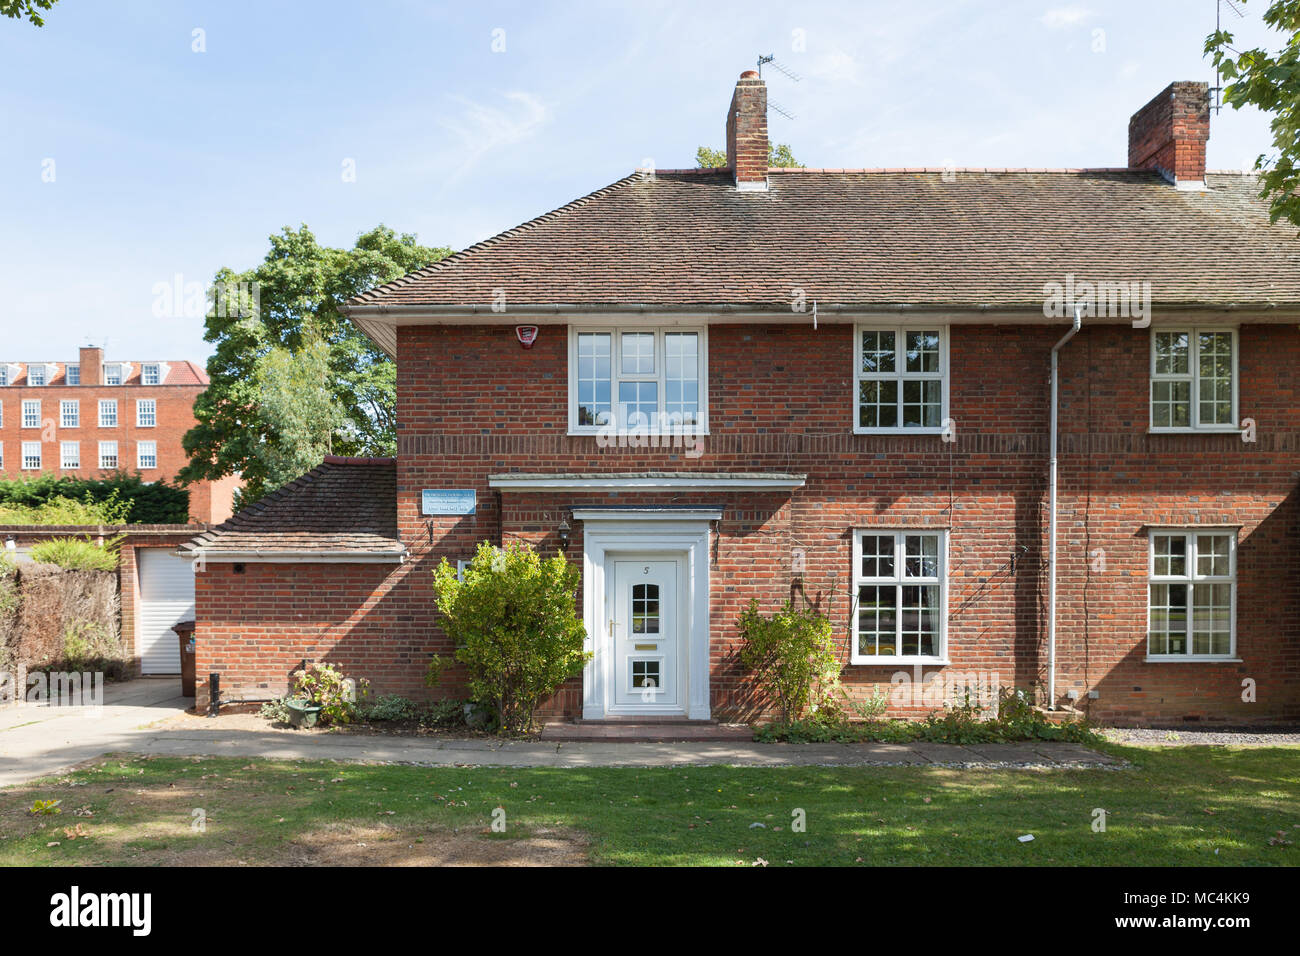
(1169, 134)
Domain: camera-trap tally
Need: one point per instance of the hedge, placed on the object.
(158, 503)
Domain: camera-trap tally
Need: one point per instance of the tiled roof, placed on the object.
(179, 372)
(343, 506)
(872, 238)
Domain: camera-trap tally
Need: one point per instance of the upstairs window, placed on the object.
(900, 582)
(647, 380)
(108, 454)
(70, 414)
(112, 374)
(31, 413)
(900, 380)
(72, 375)
(31, 456)
(36, 374)
(70, 454)
(146, 454)
(146, 413)
(151, 374)
(1191, 609)
(1193, 379)
(108, 413)
(4, 375)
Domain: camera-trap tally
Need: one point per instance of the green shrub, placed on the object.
(516, 628)
(276, 710)
(390, 707)
(444, 713)
(325, 685)
(792, 654)
(77, 554)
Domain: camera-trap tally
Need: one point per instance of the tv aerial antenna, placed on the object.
(1217, 102)
(787, 72)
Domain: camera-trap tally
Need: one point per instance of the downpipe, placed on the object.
(1051, 508)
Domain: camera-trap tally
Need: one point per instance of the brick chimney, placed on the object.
(92, 365)
(1169, 134)
(747, 132)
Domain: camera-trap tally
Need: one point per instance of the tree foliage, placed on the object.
(778, 155)
(265, 412)
(515, 624)
(792, 654)
(31, 9)
(1271, 82)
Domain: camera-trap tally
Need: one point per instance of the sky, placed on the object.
(144, 144)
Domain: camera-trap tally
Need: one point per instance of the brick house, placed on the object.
(837, 386)
(89, 418)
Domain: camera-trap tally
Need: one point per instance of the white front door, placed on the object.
(646, 631)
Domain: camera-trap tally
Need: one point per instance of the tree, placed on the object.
(17, 9)
(1270, 81)
(301, 410)
(778, 155)
(287, 303)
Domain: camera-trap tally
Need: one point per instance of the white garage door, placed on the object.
(166, 598)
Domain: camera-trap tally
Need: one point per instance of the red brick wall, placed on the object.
(1170, 132)
(781, 400)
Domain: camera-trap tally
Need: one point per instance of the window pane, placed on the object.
(1215, 368)
(638, 404)
(877, 619)
(1173, 355)
(878, 406)
(878, 352)
(921, 556)
(1170, 555)
(922, 352)
(1171, 404)
(637, 353)
(878, 556)
(682, 378)
(922, 404)
(920, 616)
(1211, 618)
(1168, 619)
(594, 377)
(1212, 555)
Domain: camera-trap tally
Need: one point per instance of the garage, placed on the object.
(166, 598)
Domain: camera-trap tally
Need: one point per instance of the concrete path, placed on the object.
(36, 739)
(147, 716)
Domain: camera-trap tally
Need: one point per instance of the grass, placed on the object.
(1209, 806)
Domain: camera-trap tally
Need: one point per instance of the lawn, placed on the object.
(1174, 806)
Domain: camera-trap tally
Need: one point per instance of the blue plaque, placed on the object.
(447, 501)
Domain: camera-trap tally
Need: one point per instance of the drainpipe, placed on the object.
(1051, 507)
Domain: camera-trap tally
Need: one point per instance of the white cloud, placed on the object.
(1062, 18)
(480, 128)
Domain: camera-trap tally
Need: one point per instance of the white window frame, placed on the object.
(117, 461)
(44, 375)
(73, 461)
(31, 403)
(661, 367)
(25, 453)
(108, 403)
(120, 374)
(139, 412)
(1192, 578)
(157, 373)
(1194, 377)
(66, 420)
(900, 376)
(940, 657)
(140, 455)
(4, 375)
(72, 374)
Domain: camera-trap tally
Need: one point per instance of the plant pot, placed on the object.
(302, 712)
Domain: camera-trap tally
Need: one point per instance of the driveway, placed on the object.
(36, 739)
